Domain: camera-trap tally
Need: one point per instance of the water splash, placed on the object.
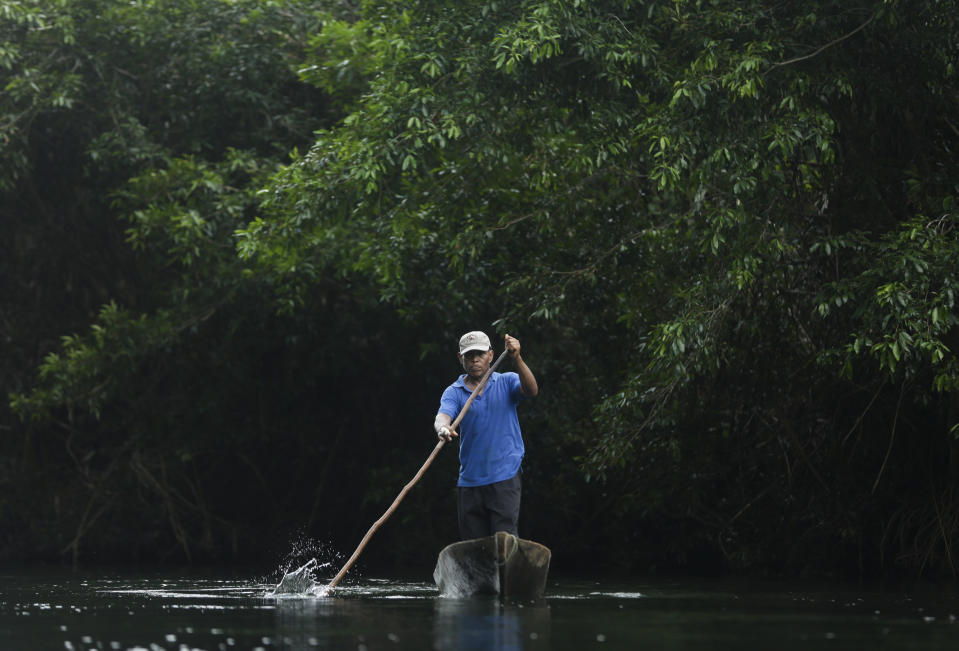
(301, 564)
(304, 548)
(301, 581)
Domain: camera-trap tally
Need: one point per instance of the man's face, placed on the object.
(476, 362)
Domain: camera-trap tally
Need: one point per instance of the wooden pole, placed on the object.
(416, 477)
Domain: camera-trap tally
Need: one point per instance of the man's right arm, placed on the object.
(441, 425)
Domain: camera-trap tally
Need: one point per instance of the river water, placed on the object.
(199, 609)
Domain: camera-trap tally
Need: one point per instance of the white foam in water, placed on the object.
(302, 580)
(299, 581)
(619, 595)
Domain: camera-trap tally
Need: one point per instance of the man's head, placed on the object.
(476, 353)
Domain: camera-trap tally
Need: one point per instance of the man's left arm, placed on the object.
(527, 381)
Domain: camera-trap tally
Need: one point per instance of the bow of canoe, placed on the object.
(502, 564)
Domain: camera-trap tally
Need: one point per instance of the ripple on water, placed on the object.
(619, 595)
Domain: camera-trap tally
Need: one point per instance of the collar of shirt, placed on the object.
(460, 381)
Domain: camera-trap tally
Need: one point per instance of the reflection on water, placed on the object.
(400, 613)
(153, 612)
(485, 623)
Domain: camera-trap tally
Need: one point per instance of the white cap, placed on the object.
(475, 340)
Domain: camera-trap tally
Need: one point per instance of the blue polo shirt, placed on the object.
(491, 444)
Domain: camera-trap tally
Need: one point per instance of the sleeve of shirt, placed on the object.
(515, 387)
(449, 405)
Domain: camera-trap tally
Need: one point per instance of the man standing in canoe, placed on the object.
(491, 447)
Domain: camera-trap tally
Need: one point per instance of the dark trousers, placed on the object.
(484, 510)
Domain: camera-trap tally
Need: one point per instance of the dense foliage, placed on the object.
(135, 136)
(724, 231)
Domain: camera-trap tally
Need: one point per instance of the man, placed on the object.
(491, 447)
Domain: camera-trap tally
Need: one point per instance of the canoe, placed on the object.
(501, 565)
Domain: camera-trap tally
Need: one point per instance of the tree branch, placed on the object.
(824, 47)
(892, 438)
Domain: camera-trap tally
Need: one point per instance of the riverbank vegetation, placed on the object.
(243, 237)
